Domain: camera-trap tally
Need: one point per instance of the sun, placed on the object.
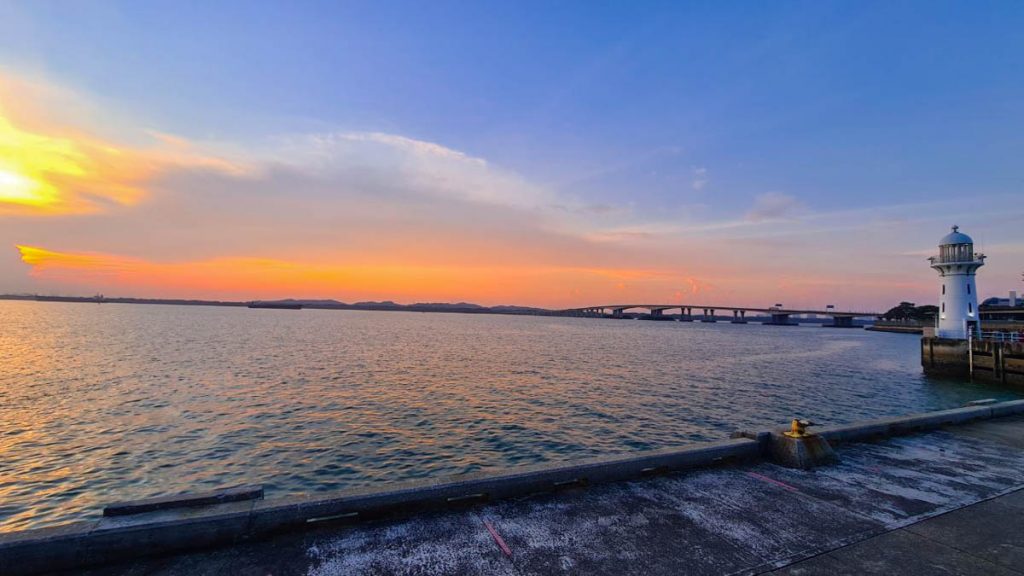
(32, 165)
(20, 189)
(25, 161)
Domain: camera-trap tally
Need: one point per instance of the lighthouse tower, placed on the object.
(958, 304)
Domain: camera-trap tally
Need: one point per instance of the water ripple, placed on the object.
(108, 402)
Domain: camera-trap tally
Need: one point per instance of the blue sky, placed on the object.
(685, 113)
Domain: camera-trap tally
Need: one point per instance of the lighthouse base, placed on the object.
(979, 359)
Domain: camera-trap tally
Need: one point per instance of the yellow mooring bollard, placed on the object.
(797, 448)
(798, 428)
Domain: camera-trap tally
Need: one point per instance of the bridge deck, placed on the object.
(793, 312)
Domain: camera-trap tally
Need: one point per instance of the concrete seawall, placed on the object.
(169, 525)
(982, 359)
(895, 328)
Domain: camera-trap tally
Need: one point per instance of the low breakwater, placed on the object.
(175, 524)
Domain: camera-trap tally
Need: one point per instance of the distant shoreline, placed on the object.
(460, 308)
(456, 308)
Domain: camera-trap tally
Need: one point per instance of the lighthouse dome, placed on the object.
(955, 237)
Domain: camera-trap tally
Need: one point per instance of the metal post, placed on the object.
(970, 352)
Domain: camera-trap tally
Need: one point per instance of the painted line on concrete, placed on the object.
(773, 481)
(498, 539)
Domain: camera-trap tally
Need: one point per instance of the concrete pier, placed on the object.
(726, 509)
(981, 359)
(897, 327)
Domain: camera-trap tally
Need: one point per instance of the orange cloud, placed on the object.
(246, 278)
(48, 166)
(44, 174)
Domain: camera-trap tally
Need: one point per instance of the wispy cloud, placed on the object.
(416, 166)
(402, 142)
(773, 206)
(700, 179)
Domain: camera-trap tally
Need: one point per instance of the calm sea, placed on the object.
(100, 403)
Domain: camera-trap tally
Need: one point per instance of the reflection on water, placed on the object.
(107, 402)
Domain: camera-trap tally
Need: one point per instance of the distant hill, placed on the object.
(444, 305)
(523, 309)
(463, 307)
(327, 303)
(308, 302)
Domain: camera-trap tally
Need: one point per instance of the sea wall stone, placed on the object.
(981, 359)
(945, 356)
(804, 452)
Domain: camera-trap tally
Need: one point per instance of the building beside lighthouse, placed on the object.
(957, 264)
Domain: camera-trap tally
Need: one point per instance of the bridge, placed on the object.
(779, 316)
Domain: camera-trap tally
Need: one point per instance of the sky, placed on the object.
(553, 154)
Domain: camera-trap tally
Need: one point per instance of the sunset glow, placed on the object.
(26, 160)
(254, 254)
(41, 174)
(298, 224)
(49, 167)
(562, 174)
(19, 189)
(243, 278)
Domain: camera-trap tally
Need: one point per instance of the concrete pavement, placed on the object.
(941, 502)
(984, 539)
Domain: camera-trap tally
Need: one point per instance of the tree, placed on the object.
(900, 312)
(907, 311)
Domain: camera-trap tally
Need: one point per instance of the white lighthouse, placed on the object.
(958, 304)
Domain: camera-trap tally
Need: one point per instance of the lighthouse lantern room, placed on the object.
(958, 301)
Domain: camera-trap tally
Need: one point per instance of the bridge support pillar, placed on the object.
(739, 316)
(841, 322)
(709, 315)
(656, 311)
(617, 313)
(686, 315)
(781, 320)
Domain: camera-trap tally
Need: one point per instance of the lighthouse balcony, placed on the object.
(957, 258)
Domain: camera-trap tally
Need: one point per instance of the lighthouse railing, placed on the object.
(996, 336)
(954, 257)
